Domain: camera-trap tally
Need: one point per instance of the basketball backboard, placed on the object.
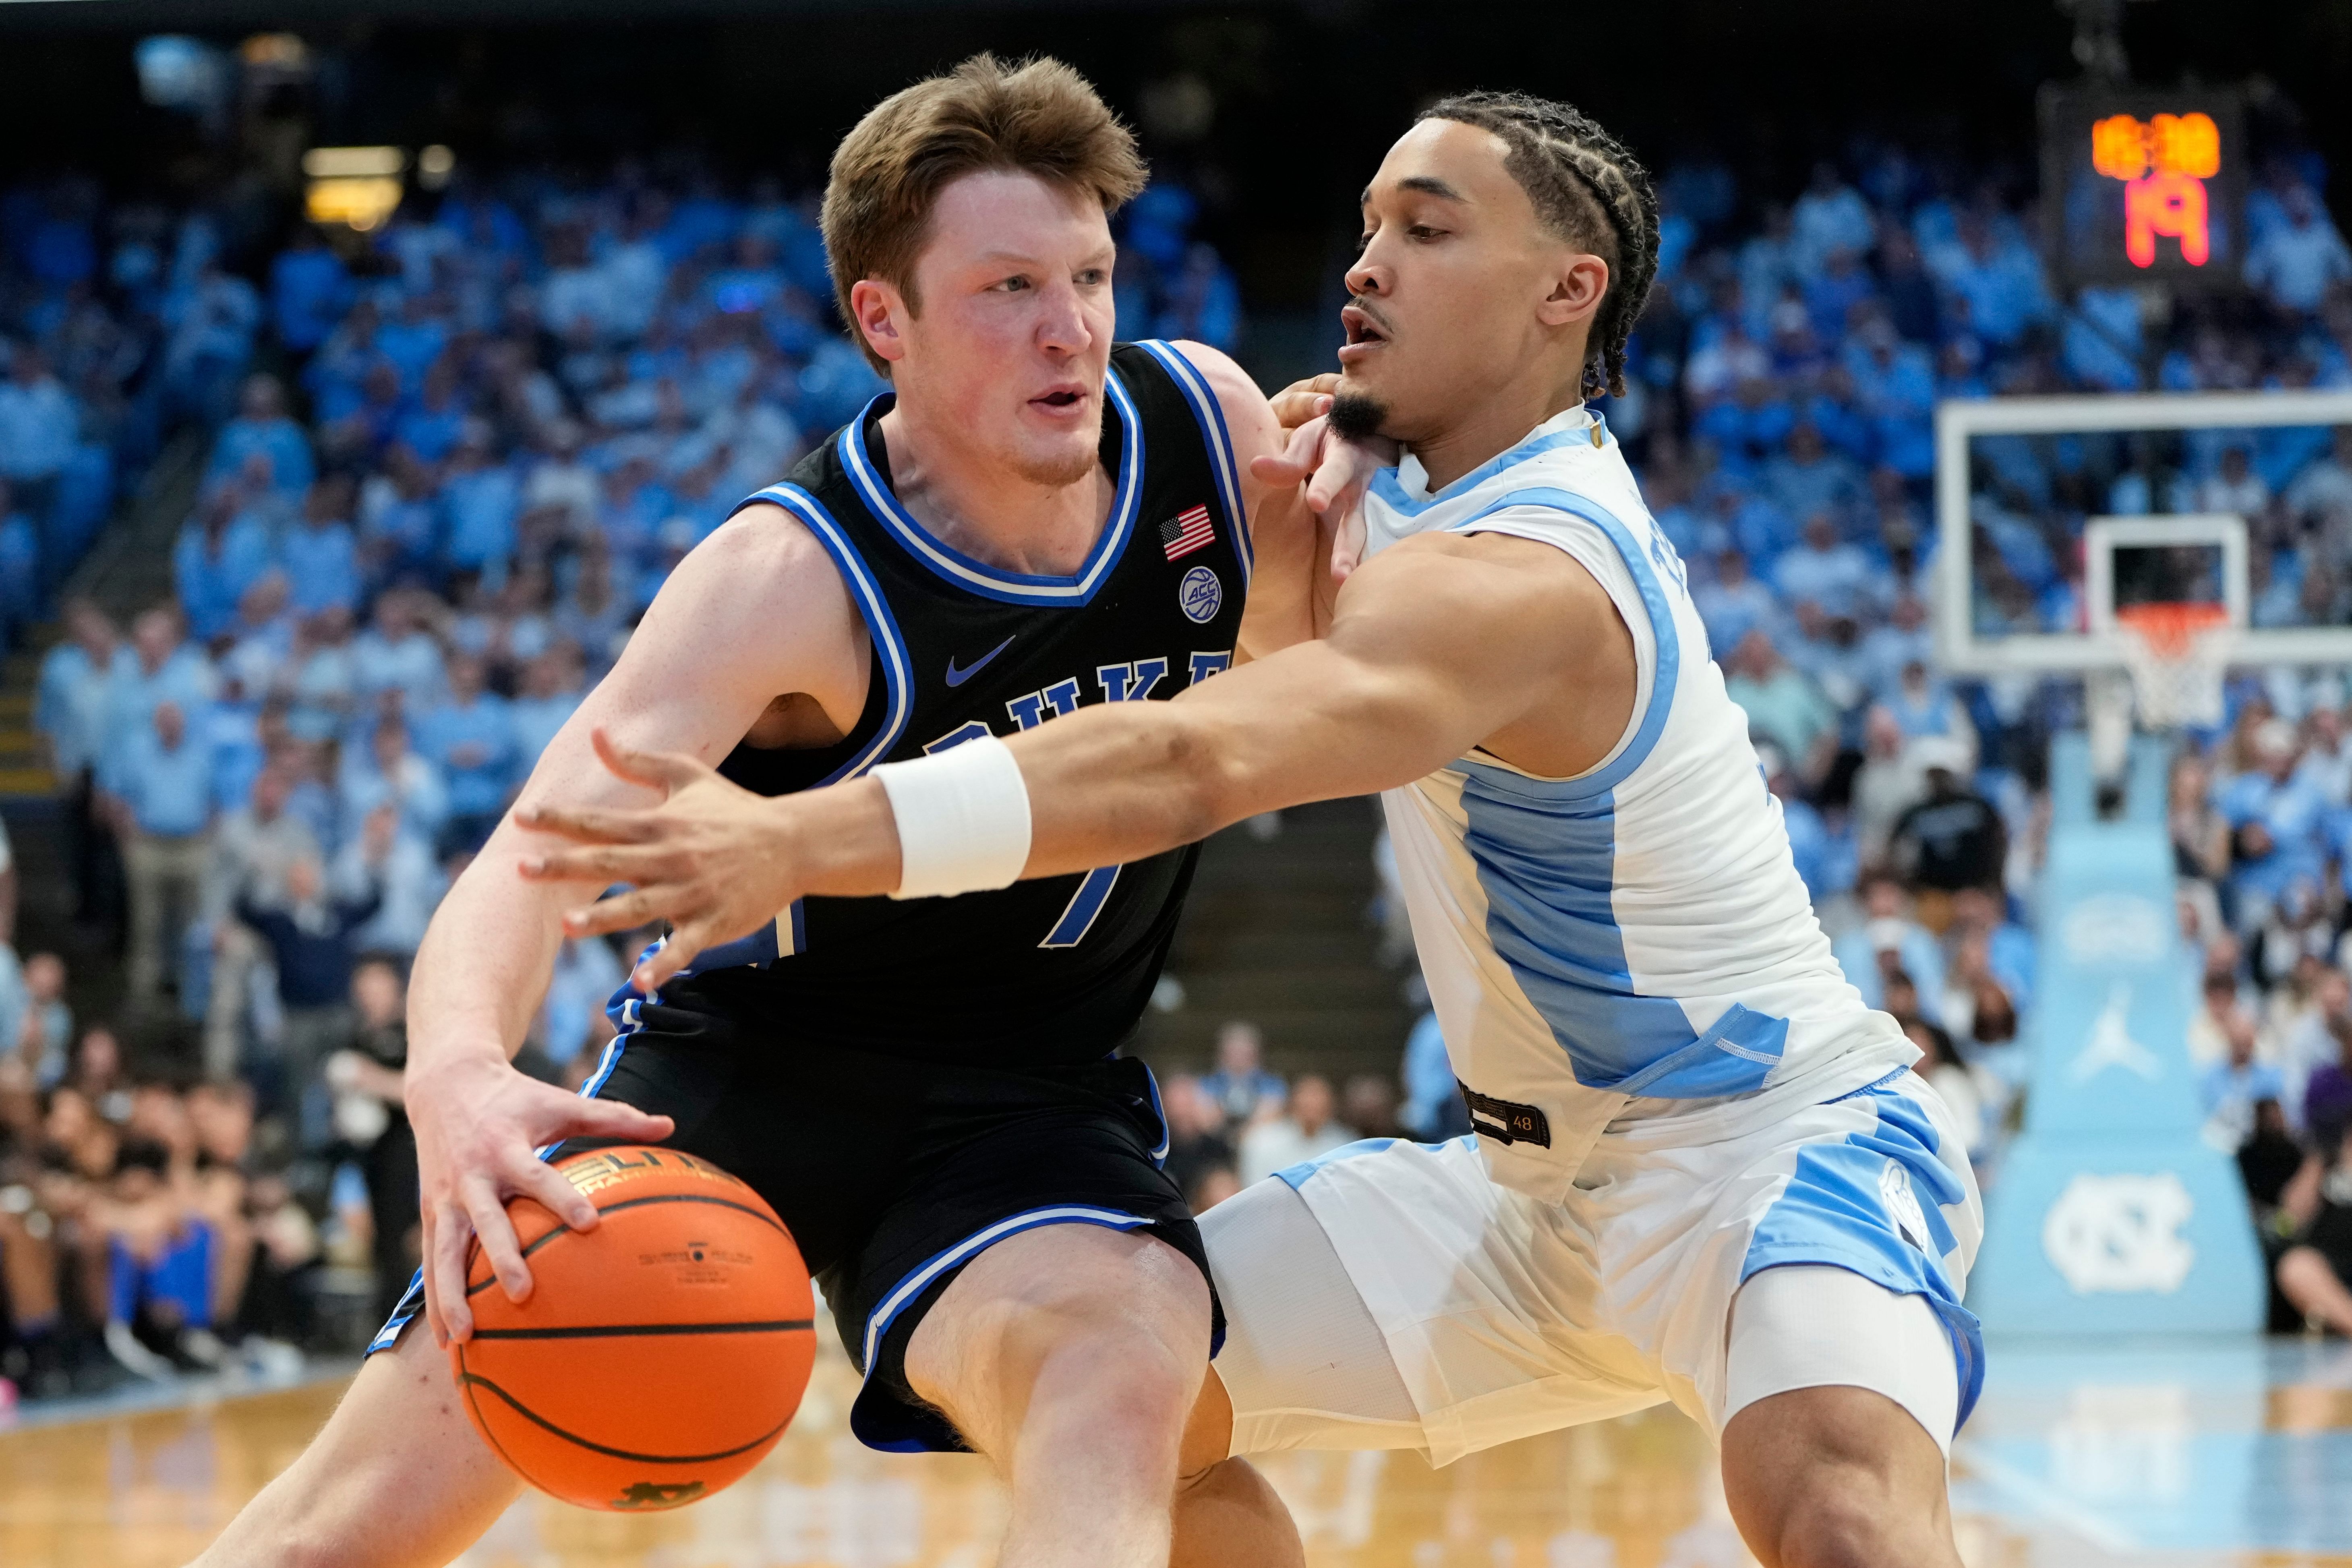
(2052, 510)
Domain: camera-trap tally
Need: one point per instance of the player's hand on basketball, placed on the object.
(709, 859)
(479, 1125)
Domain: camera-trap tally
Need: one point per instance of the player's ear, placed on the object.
(876, 308)
(1577, 287)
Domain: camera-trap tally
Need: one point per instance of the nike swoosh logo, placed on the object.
(957, 677)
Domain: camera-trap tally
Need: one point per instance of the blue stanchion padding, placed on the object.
(2109, 1213)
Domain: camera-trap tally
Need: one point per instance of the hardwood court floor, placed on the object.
(2236, 1454)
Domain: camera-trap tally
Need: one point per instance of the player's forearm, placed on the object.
(1106, 786)
(483, 965)
(1113, 784)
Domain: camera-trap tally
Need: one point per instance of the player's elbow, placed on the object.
(1201, 788)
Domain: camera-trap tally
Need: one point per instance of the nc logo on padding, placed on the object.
(2120, 1233)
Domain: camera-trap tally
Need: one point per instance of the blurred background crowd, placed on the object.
(445, 463)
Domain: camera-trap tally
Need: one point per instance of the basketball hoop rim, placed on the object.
(2172, 632)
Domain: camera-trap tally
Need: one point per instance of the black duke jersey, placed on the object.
(1051, 971)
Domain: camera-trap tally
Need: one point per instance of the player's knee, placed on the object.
(1101, 1342)
(2301, 1272)
(1208, 1430)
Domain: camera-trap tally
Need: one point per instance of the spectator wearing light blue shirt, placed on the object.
(400, 525)
(1733, 604)
(39, 427)
(1903, 638)
(2277, 821)
(1240, 1088)
(398, 653)
(1810, 478)
(432, 426)
(1433, 1109)
(395, 775)
(399, 864)
(1822, 571)
(70, 692)
(308, 290)
(321, 681)
(586, 973)
(480, 498)
(413, 339)
(2001, 282)
(164, 787)
(1825, 860)
(321, 554)
(223, 550)
(213, 325)
(2227, 1091)
(1831, 216)
(162, 667)
(70, 709)
(1889, 939)
(2296, 262)
(262, 429)
(1922, 704)
(470, 738)
(231, 735)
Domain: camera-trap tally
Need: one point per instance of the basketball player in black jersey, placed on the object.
(927, 1090)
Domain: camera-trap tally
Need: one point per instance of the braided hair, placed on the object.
(1588, 189)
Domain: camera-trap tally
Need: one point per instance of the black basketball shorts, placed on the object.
(892, 1175)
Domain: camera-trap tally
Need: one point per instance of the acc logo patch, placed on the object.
(1200, 596)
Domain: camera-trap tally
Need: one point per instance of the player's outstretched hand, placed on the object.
(479, 1125)
(1335, 473)
(709, 859)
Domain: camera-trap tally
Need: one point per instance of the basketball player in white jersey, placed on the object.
(1703, 1171)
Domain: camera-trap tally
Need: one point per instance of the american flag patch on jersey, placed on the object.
(1186, 532)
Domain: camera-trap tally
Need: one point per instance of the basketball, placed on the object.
(660, 1355)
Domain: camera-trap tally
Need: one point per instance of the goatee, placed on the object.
(1356, 417)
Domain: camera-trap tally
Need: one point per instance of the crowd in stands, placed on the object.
(118, 326)
(1241, 1123)
(446, 474)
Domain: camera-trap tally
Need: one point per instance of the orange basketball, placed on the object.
(660, 1355)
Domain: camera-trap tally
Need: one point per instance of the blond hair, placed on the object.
(1038, 117)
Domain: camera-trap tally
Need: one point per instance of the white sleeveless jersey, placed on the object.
(1634, 944)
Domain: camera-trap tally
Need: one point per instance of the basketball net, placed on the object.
(2176, 656)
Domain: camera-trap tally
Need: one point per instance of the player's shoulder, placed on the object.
(768, 551)
(1573, 477)
(1201, 380)
(1185, 361)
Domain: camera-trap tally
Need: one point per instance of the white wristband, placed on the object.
(963, 820)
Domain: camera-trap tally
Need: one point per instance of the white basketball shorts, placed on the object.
(1438, 1310)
